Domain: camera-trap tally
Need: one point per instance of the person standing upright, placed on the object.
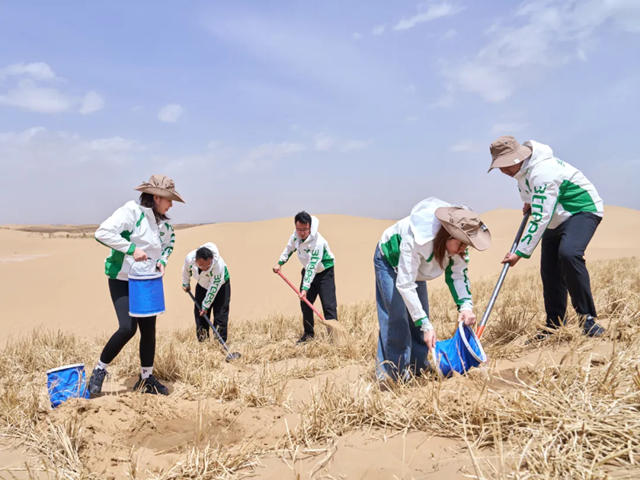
(138, 234)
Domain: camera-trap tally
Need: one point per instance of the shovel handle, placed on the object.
(215, 330)
(503, 274)
(295, 289)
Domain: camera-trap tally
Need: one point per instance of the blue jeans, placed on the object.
(401, 347)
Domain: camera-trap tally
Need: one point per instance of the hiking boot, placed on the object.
(306, 337)
(202, 334)
(150, 385)
(590, 328)
(96, 380)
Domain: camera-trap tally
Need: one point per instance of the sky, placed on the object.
(259, 109)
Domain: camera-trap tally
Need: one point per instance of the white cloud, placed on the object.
(29, 88)
(35, 70)
(537, 37)
(29, 96)
(170, 113)
(356, 36)
(433, 12)
(92, 102)
(378, 29)
(323, 142)
(41, 150)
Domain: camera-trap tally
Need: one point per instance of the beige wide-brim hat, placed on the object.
(465, 225)
(506, 151)
(162, 186)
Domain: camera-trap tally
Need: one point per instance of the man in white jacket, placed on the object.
(565, 212)
(317, 275)
(213, 288)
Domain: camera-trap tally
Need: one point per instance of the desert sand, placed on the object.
(285, 411)
(55, 282)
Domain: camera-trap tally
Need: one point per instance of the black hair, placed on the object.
(203, 253)
(146, 200)
(303, 217)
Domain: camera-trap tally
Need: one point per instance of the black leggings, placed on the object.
(119, 290)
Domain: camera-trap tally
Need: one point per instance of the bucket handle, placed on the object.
(466, 344)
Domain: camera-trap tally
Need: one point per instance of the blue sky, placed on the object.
(260, 109)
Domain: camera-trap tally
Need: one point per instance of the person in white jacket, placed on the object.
(433, 240)
(318, 277)
(213, 288)
(141, 240)
(565, 212)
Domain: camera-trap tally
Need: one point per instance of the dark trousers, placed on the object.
(563, 268)
(127, 326)
(324, 285)
(220, 309)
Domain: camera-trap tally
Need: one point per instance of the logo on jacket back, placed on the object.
(214, 288)
(537, 207)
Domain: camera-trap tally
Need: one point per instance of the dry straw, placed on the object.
(571, 410)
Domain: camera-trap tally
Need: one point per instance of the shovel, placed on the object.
(230, 355)
(327, 323)
(503, 274)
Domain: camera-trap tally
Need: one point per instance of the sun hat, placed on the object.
(465, 225)
(506, 151)
(162, 186)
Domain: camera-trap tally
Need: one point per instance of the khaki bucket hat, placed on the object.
(465, 225)
(162, 186)
(506, 151)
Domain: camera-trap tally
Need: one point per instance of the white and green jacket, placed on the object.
(555, 190)
(314, 253)
(407, 246)
(129, 227)
(211, 279)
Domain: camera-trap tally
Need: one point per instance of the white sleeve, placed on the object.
(288, 251)
(217, 280)
(168, 240)
(457, 280)
(408, 264)
(186, 272)
(544, 198)
(116, 230)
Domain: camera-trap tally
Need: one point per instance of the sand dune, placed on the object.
(59, 282)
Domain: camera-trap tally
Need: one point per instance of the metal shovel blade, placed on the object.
(232, 356)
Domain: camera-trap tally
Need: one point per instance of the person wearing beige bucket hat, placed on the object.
(433, 240)
(565, 211)
(141, 240)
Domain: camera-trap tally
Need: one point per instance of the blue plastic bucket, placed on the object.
(460, 353)
(146, 295)
(66, 382)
